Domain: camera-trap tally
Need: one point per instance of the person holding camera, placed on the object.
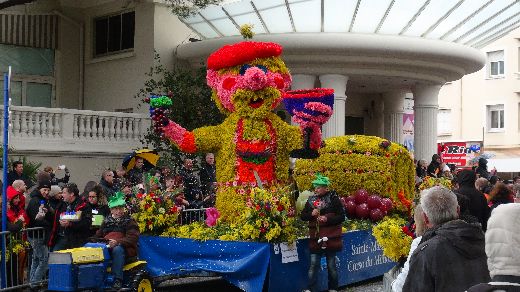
(58, 181)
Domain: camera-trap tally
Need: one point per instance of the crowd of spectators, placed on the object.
(97, 211)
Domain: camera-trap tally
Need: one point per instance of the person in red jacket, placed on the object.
(15, 208)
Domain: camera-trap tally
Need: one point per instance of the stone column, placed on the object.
(426, 105)
(336, 125)
(393, 115)
(302, 81)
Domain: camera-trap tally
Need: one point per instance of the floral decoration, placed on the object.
(155, 213)
(268, 216)
(429, 182)
(390, 236)
(246, 31)
(241, 53)
(363, 164)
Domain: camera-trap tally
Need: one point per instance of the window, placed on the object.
(114, 34)
(32, 78)
(495, 117)
(444, 122)
(495, 62)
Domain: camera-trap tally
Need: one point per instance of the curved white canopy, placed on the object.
(473, 23)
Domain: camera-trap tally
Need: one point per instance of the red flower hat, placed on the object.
(241, 53)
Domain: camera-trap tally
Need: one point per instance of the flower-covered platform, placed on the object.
(251, 265)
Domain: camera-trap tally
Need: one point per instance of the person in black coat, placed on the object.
(481, 169)
(451, 255)
(98, 206)
(434, 169)
(324, 212)
(478, 206)
(420, 170)
(75, 232)
(17, 173)
(208, 175)
(41, 214)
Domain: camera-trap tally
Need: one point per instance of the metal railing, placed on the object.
(192, 215)
(18, 255)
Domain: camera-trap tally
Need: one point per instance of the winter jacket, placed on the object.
(208, 175)
(135, 176)
(498, 284)
(47, 221)
(13, 175)
(125, 231)
(434, 168)
(450, 257)
(502, 241)
(478, 205)
(97, 210)
(332, 208)
(191, 185)
(108, 190)
(77, 233)
(14, 212)
(481, 169)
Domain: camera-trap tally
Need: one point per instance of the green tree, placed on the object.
(192, 104)
(186, 8)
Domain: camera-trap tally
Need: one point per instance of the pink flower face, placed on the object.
(250, 78)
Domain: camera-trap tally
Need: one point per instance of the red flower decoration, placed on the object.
(316, 203)
(280, 208)
(147, 206)
(263, 229)
(242, 53)
(173, 209)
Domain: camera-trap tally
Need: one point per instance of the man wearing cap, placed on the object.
(40, 214)
(122, 234)
(325, 213)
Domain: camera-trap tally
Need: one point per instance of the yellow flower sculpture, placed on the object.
(355, 162)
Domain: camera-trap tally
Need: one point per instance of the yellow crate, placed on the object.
(84, 255)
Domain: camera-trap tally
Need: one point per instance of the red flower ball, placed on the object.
(374, 202)
(351, 208)
(361, 196)
(386, 204)
(362, 211)
(376, 215)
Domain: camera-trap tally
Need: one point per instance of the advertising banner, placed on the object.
(459, 153)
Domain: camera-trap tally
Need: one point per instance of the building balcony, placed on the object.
(81, 132)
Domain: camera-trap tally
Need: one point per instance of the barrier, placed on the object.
(192, 215)
(17, 266)
(247, 265)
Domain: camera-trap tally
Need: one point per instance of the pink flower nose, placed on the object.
(255, 79)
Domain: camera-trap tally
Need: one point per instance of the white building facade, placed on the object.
(93, 55)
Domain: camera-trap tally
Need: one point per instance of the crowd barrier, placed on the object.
(18, 255)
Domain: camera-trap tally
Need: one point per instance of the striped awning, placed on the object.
(37, 31)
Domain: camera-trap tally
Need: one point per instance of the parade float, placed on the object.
(253, 238)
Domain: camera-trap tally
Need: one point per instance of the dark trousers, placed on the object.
(332, 271)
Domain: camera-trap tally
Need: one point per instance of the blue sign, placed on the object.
(361, 259)
(248, 264)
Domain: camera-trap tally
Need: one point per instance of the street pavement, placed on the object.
(216, 284)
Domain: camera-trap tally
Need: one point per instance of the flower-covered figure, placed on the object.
(248, 80)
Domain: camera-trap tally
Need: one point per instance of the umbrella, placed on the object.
(149, 157)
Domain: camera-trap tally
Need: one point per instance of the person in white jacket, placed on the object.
(502, 250)
(397, 284)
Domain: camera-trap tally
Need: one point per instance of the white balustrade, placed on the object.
(57, 129)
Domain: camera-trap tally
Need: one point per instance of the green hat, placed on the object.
(320, 181)
(117, 200)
